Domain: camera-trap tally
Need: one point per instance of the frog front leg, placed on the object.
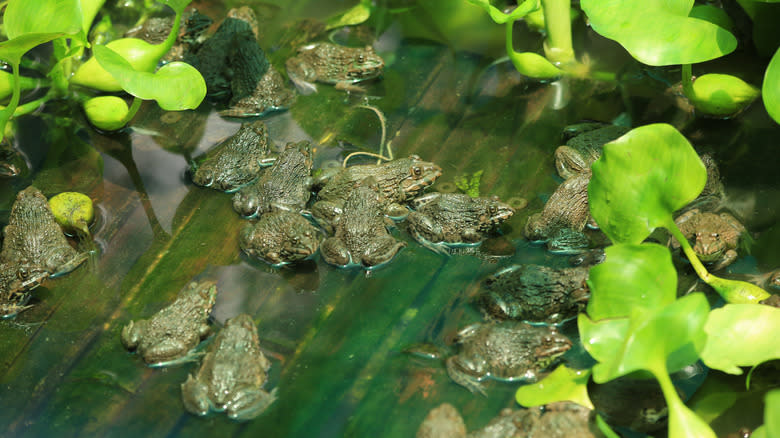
(248, 403)
(728, 258)
(64, 261)
(195, 396)
(470, 235)
(423, 227)
(132, 333)
(464, 377)
(569, 162)
(302, 74)
(326, 213)
(381, 250)
(335, 252)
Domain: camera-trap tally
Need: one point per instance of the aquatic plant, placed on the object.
(124, 64)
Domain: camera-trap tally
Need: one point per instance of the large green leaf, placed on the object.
(771, 427)
(641, 179)
(771, 88)
(12, 50)
(562, 384)
(24, 17)
(659, 32)
(741, 335)
(603, 339)
(175, 86)
(633, 277)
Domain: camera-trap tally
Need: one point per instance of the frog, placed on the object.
(170, 335)
(563, 218)
(535, 293)
(361, 236)
(443, 421)
(584, 147)
(155, 30)
(635, 403)
(455, 218)
(280, 237)
(286, 185)
(16, 284)
(270, 95)
(714, 237)
(235, 162)
(34, 240)
(505, 350)
(232, 374)
(333, 64)
(12, 161)
(400, 181)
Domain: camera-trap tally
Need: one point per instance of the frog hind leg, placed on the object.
(422, 227)
(248, 403)
(335, 252)
(195, 396)
(463, 377)
(381, 250)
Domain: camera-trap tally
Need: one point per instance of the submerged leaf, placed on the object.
(563, 384)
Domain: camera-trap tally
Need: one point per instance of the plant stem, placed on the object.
(701, 271)
(687, 80)
(8, 111)
(557, 21)
(134, 107)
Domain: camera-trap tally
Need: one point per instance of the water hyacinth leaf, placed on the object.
(602, 339)
(108, 113)
(561, 385)
(641, 179)
(741, 335)
(633, 277)
(73, 211)
(139, 54)
(712, 14)
(722, 95)
(352, 16)
(89, 9)
(659, 32)
(12, 50)
(175, 86)
(50, 16)
(771, 87)
(683, 422)
(534, 65)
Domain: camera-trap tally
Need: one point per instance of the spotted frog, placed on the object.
(455, 218)
(508, 350)
(33, 239)
(286, 185)
(584, 147)
(332, 64)
(361, 236)
(714, 237)
(399, 180)
(280, 237)
(236, 161)
(232, 374)
(170, 334)
(12, 161)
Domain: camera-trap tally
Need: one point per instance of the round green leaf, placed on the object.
(139, 54)
(24, 17)
(561, 385)
(641, 179)
(534, 65)
(602, 339)
(632, 278)
(722, 95)
(771, 87)
(352, 16)
(175, 86)
(741, 335)
(714, 15)
(659, 32)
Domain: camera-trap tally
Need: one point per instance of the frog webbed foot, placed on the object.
(335, 252)
(463, 377)
(10, 310)
(131, 334)
(470, 235)
(195, 396)
(65, 261)
(381, 250)
(169, 352)
(247, 403)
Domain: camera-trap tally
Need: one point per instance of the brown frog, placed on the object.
(361, 236)
(535, 293)
(508, 350)
(236, 161)
(12, 161)
(286, 185)
(584, 147)
(280, 237)
(455, 218)
(332, 64)
(16, 284)
(34, 240)
(713, 237)
(232, 374)
(170, 334)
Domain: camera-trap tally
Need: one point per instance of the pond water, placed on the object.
(335, 337)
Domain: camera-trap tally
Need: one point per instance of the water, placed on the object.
(334, 336)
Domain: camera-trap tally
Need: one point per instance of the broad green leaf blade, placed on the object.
(771, 87)
(659, 32)
(175, 86)
(352, 16)
(714, 15)
(683, 422)
(89, 9)
(741, 335)
(641, 179)
(12, 50)
(602, 339)
(534, 65)
(139, 54)
(772, 413)
(23, 17)
(561, 385)
(722, 95)
(632, 278)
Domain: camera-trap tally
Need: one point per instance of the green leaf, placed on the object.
(73, 211)
(602, 339)
(23, 17)
(771, 87)
(534, 65)
(352, 16)
(108, 113)
(684, 423)
(175, 86)
(721, 95)
(12, 50)
(500, 17)
(714, 15)
(562, 384)
(632, 278)
(741, 335)
(89, 9)
(659, 32)
(141, 55)
(641, 179)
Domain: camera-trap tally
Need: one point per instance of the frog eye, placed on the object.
(547, 340)
(294, 239)
(416, 171)
(714, 235)
(361, 58)
(207, 177)
(23, 273)
(493, 209)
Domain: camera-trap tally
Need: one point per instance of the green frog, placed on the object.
(34, 240)
(399, 180)
(16, 283)
(333, 64)
(170, 334)
(584, 147)
(232, 374)
(280, 237)
(564, 216)
(361, 236)
(286, 185)
(535, 293)
(507, 350)
(236, 161)
(455, 218)
(713, 237)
